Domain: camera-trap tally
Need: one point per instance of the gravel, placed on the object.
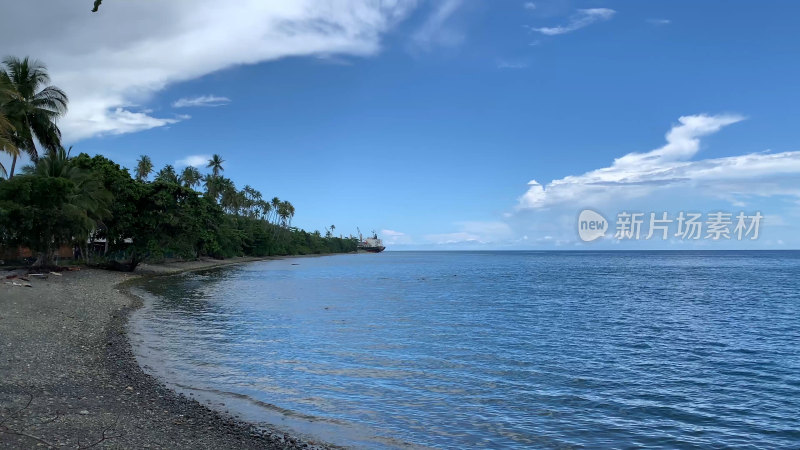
(69, 379)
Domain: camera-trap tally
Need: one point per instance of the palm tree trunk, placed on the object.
(13, 164)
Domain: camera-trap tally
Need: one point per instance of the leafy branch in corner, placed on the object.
(97, 4)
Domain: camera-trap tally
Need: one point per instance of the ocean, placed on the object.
(491, 349)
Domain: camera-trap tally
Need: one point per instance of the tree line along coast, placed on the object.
(110, 218)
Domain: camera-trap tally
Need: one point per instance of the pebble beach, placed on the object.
(68, 377)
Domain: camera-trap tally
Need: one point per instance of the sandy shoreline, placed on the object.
(68, 377)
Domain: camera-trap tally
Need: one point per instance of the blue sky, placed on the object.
(428, 120)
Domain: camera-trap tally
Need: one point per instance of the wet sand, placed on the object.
(68, 377)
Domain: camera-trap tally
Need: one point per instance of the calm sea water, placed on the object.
(494, 349)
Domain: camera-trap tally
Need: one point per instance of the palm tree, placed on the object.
(190, 177)
(54, 165)
(215, 164)
(251, 193)
(144, 167)
(265, 207)
(290, 208)
(286, 212)
(6, 128)
(6, 141)
(276, 205)
(88, 202)
(283, 213)
(34, 108)
(228, 195)
(167, 175)
(252, 200)
(211, 186)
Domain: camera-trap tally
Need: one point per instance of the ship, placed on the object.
(371, 244)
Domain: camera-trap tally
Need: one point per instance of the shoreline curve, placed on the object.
(69, 377)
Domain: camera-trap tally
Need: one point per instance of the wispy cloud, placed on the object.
(129, 121)
(473, 233)
(583, 18)
(454, 238)
(193, 160)
(530, 6)
(659, 21)
(639, 174)
(137, 58)
(435, 31)
(512, 64)
(202, 100)
(392, 237)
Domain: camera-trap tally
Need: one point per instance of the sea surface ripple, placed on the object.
(492, 349)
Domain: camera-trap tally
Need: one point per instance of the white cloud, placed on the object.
(202, 100)
(110, 62)
(454, 238)
(583, 18)
(194, 161)
(126, 121)
(659, 21)
(435, 31)
(529, 6)
(392, 237)
(668, 178)
(639, 174)
(473, 233)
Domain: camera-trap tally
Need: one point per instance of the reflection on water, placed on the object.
(491, 348)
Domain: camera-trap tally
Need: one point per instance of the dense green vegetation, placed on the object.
(114, 219)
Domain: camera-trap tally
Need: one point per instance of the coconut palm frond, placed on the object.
(31, 107)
